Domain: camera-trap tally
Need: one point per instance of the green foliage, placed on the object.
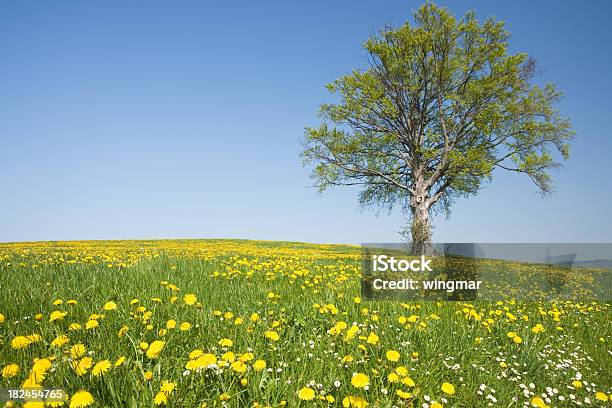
(442, 104)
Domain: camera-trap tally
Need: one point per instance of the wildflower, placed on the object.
(229, 356)
(60, 340)
(77, 350)
(185, 326)
(24, 341)
(409, 382)
(226, 343)
(393, 377)
(91, 324)
(448, 388)
(155, 348)
(190, 299)
(246, 357)
(393, 356)
(577, 383)
(271, 335)
(224, 397)
(239, 367)
(167, 387)
(171, 324)
(147, 375)
(160, 399)
(354, 402)
(81, 399)
(538, 402)
(259, 365)
(10, 370)
(120, 361)
(81, 366)
(306, 394)
(57, 315)
(538, 328)
(101, 368)
(403, 394)
(601, 396)
(372, 339)
(401, 371)
(110, 306)
(360, 380)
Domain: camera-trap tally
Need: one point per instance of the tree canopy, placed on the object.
(441, 105)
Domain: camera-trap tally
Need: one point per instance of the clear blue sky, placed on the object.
(184, 119)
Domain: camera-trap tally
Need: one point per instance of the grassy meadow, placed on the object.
(215, 323)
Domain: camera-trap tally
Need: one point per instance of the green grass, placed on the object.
(451, 347)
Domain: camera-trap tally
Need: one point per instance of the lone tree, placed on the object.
(441, 105)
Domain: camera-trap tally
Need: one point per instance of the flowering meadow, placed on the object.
(228, 323)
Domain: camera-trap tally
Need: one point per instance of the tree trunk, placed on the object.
(420, 228)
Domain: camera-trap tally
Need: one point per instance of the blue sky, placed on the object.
(184, 119)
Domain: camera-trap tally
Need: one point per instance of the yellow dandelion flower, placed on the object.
(401, 371)
(360, 380)
(190, 299)
(601, 396)
(167, 387)
(448, 388)
(403, 394)
(91, 324)
(271, 335)
(226, 343)
(246, 357)
(239, 367)
(81, 366)
(160, 399)
(57, 315)
(306, 394)
(171, 324)
(119, 361)
(354, 402)
(10, 370)
(259, 365)
(185, 326)
(393, 356)
(229, 356)
(60, 340)
(538, 402)
(20, 342)
(81, 399)
(77, 350)
(101, 368)
(110, 306)
(155, 348)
